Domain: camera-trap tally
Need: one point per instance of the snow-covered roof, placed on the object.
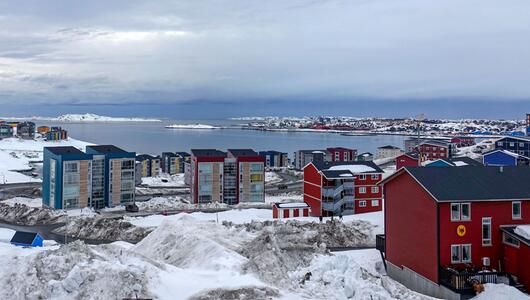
(523, 230)
(292, 205)
(460, 163)
(352, 168)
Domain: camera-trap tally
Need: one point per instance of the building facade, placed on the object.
(231, 177)
(459, 234)
(501, 157)
(6, 131)
(518, 145)
(275, 159)
(409, 159)
(56, 134)
(26, 130)
(342, 154)
(388, 151)
(103, 176)
(434, 150)
(149, 165)
(335, 188)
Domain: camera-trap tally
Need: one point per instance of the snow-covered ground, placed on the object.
(272, 177)
(77, 118)
(164, 180)
(287, 197)
(476, 150)
(501, 291)
(17, 154)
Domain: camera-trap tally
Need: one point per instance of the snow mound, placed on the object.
(188, 243)
(341, 277)
(353, 168)
(244, 293)
(501, 291)
(78, 271)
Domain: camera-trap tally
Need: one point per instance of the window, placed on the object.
(521, 145)
(516, 210)
(362, 177)
(455, 254)
(499, 144)
(512, 144)
(455, 212)
(375, 189)
(510, 240)
(460, 211)
(337, 155)
(375, 203)
(486, 231)
(362, 203)
(70, 167)
(521, 152)
(362, 190)
(465, 210)
(375, 177)
(434, 148)
(466, 253)
(461, 253)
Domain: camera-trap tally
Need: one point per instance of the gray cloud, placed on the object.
(229, 50)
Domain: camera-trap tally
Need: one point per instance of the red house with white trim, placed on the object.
(409, 159)
(290, 210)
(445, 228)
(433, 150)
(335, 188)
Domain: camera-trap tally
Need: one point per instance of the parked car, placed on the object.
(132, 207)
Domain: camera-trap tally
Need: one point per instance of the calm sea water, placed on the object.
(153, 138)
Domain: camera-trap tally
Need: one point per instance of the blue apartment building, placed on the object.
(103, 176)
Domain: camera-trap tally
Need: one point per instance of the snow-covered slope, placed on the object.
(85, 118)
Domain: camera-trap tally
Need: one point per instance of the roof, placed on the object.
(339, 148)
(511, 231)
(183, 154)
(107, 149)
(243, 152)
(23, 237)
(436, 143)
(291, 205)
(344, 165)
(412, 154)
(336, 174)
(523, 138)
(141, 157)
(170, 154)
(463, 161)
(208, 152)
(473, 183)
(390, 147)
(62, 150)
(366, 154)
(510, 153)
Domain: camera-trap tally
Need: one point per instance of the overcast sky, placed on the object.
(79, 53)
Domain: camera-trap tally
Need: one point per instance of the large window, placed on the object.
(516, 210)
(460, 211)
(510, 240)
(486, 231)
(362, 190)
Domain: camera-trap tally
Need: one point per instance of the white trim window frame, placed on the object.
(463, 248)
(519, 215)
(455, 211)
(375, 177)
(510, 240)
(375, 189)
(468, 209)
(362, 190)
(375, 203)
(486, 231)
(362, 203)
(362, 177)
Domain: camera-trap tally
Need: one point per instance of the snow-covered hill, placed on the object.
(73, 118)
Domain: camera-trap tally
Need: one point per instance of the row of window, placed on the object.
(512, 144)
(435, 148)
(362, 190)
(374, 177)
(462, 211)
(374, 203)
(462, 253)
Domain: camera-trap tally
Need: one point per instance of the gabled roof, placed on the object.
(473, 183)
(463, 161)
(522, 138)
(366, 154)
(23, 237)
(337, 174)
(182, 154)
(62, 150)
(510, 153)
(208, 152)
(242, 152)
(413, 154)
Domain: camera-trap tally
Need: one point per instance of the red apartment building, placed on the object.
(433, 150)
(342, 154)
(448, 227)
(235, 176)
(335, 188)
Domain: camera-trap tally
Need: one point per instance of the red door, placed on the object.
(286, 213)
(296, 213)
(510, 259)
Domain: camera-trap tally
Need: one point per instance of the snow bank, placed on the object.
(164, 180)
(345, 277)
(191, 126)
(523, 230)
(189, 243)
(501, 291)
(272, 177)
(85, 118)
(30, 202)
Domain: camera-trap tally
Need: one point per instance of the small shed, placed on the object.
(290, 210)
(27, 239)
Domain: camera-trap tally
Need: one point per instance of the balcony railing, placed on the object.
(332, 191)
(462, 281)
(333, 206)
(380, 242)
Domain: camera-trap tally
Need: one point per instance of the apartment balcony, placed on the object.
(332, 191)
(348, 185)
(462, 281)
(333, 206)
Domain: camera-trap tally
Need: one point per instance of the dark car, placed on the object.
(131, 207)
